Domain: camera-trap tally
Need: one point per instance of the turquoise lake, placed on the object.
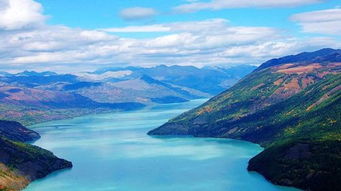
(113, 152)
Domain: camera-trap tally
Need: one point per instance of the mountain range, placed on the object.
(292, 107)
(32, 97)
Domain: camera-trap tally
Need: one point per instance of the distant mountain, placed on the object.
(289, 105)
(52, 99)
(80, 85)
(4, 73)
(21, 163)
(34, 79)
(33, 73)
(211, 80)
(32, 105)
(143, 89)
(30, 97)
(152, 85)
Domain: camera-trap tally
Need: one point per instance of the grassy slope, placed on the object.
(11, 180)
(21, 163)
(257, 115)
(269, 108)
(308, 153)
(33, 115)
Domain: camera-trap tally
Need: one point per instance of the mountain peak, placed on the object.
(320, 56)
(34, 73)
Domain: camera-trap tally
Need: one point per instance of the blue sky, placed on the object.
(63, 34)
(106, 13)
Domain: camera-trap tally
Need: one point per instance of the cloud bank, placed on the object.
(194, 6)
(32, 44)
(17, 14)
(324, 21)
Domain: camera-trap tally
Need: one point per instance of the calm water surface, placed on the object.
(112, 152)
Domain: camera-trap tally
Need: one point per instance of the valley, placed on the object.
(34, 97)
(290, 106)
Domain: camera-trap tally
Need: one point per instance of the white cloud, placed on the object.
(199, 43)
(207, 42)
(138, 13)
(144, 28)
(323, 21)
(193, 6)
(17, 14)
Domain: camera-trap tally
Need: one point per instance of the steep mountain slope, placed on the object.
(291, 106)
(16, 132)
(21, 163)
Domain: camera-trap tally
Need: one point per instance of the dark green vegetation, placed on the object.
(292, 107)
(33, 97)
(21, 163)
(15, 131)
(307, 164)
